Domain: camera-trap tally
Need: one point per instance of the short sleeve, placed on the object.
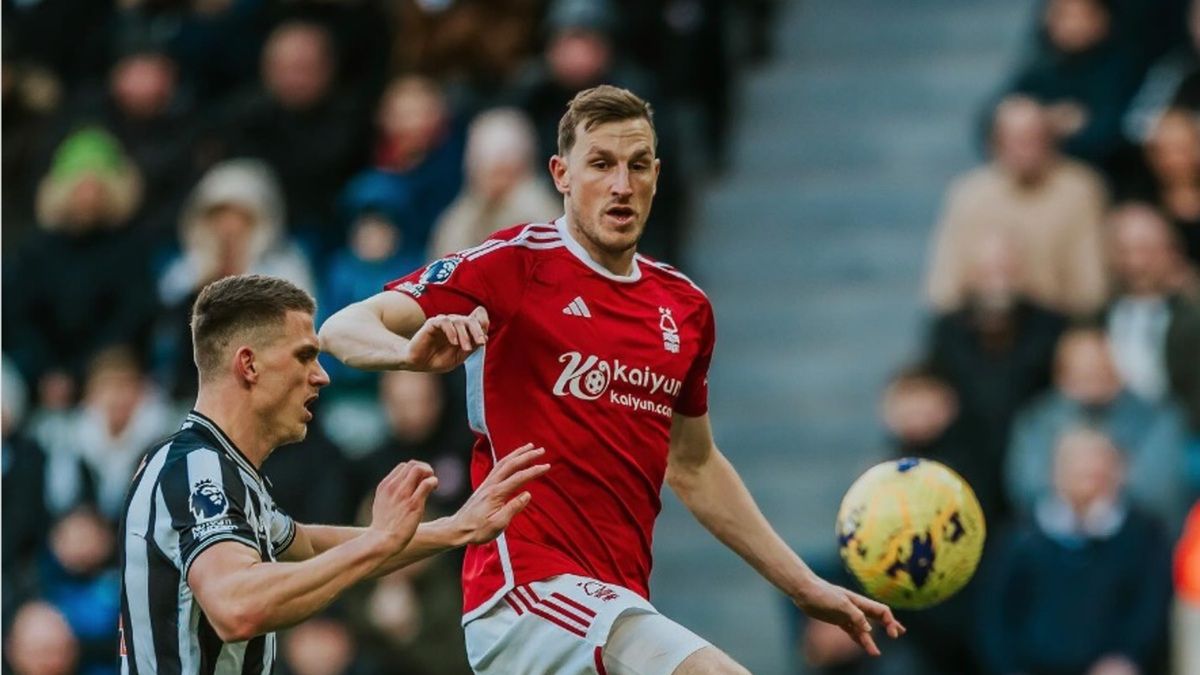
(693, 397)
(205, 501)
(282, 530)
(492, 275)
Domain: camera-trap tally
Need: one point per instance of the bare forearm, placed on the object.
(270, 596)
(718, 498)
(359, 339)
(432, 538)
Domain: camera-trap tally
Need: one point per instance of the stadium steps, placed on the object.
(812, 249)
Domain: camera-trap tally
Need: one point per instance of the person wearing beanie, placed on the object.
(79, 283)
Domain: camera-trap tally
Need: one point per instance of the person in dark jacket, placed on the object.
(1085, 588)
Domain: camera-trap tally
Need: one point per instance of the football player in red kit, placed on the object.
(599, 354)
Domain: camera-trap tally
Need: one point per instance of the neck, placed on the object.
(620, 263)
(232, 415)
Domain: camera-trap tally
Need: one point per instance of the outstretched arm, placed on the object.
(711, 489)
(244, 596)
(389, 331)
(481, 519)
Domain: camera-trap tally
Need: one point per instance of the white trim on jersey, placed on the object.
(670, 269)
(578, 251)
(577, 307)
(531, 236)
(477, 419)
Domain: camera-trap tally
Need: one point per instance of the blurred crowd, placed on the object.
(153, 146)
(1061, 368)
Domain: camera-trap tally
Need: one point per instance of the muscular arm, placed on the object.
(482, 518)
(389, 331)
(244, 596)
(373, 334)
(711, 489)
(432, 538)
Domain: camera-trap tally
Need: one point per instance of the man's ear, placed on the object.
(245, 366)
(562, 177)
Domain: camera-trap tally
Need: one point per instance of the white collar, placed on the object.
(579, 252)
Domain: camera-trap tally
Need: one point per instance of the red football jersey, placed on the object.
(589, 365)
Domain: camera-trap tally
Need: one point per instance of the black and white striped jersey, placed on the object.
(193, 491)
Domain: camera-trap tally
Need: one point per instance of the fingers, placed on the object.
(510, 510)
(515, 461)
(520, 478)
(425, 488)
(881, 613)
(404, 479)
(865, 641)
(464, 332)
(479, 323)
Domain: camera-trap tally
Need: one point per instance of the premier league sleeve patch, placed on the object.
(439, 271)
(208, 501)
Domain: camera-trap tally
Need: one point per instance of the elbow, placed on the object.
(239, 622)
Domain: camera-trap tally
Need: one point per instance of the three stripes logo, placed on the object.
(577, 307)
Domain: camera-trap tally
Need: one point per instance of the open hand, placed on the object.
(400, 502)
(849, 611)
(443, 342)
(492, 507)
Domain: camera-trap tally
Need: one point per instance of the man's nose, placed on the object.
(621, 184)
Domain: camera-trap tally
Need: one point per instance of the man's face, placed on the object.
(609, 178)
(289, 379)
(1023, 142)
(1142, 254)
(296, 67)
(1085, 371)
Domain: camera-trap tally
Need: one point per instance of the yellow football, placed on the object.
(911, 531)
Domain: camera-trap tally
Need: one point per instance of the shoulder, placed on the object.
(189, 456)
(678, 282)
(515, 241)
(1080, 177)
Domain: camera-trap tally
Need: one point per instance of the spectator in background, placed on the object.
(40, 642)
(1171, 180)
(216, 43)
(1049, 206)
(581, 52)
(1083, 589)
(79, 577)
(1151, 275)
(232, 223)
(31, 96)
(380, 246)
(922, 416)
(26, 515)
(122, 415)
(503, 185)
(423, 427)
(997, 349)
(414, 614)
(473, 46)
(323, 645)
(300, 123)
(81, 283)
(1088, 391)
(155, 120)
(1084, 76)
(418, 156)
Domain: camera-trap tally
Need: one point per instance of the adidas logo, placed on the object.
(577, 308)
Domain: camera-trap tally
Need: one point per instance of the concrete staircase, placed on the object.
(812, 250)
